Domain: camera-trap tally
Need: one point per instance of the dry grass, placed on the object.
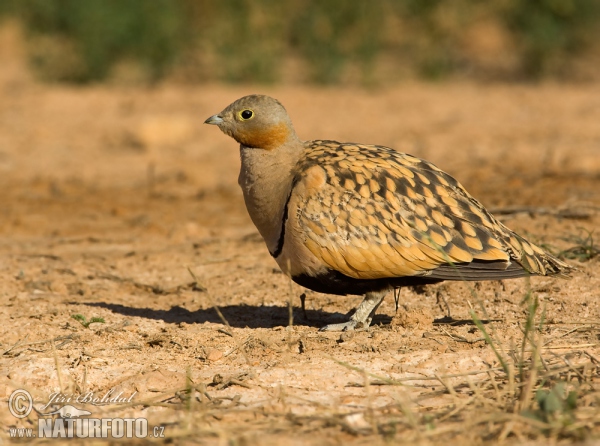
(535, 391)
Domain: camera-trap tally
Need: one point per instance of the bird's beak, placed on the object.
(214, 119)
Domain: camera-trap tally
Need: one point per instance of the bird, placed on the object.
(353, 219)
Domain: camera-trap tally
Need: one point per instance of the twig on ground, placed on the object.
(57, 365)
(192, 286)
(18, 344)
(222, 330)
(574, 212)
(221, 382)
(459, 338)
(66, 339)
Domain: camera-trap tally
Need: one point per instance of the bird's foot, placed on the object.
(362, 317)
(351, 325)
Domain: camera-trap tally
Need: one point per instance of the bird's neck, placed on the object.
(266, 181)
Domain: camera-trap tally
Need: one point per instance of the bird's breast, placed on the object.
(266, 183)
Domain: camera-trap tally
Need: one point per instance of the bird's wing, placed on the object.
(370, 212)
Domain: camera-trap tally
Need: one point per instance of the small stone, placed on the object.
(357, 424)
(346, 336)
(214, 355)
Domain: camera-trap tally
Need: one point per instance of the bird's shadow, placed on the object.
(239, 316)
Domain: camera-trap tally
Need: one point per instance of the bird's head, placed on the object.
(256, 121)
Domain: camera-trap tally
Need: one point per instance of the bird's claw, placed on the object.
(347, 326)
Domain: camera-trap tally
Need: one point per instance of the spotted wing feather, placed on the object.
(370, 212)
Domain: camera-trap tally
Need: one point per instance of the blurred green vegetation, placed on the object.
(552, 31)
(321, 41)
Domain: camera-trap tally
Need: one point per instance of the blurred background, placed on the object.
(102, 101)
(308, 41)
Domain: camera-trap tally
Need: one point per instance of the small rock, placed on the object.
(346, 336)
(214, 355)
(357, 424)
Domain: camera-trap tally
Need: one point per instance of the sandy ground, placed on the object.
(113, 197)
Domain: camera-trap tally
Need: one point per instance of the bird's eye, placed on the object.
(246, 114)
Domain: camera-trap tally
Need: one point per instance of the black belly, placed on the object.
(334, 282)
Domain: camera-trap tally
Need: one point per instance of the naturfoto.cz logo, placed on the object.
(68, 421)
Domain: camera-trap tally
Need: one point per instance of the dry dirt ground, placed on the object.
(118, 203)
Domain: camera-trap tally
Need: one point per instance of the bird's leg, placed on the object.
(362, 317)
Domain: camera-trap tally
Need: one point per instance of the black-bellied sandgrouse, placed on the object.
(346, 218)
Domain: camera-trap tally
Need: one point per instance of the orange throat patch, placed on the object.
(269, 138)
